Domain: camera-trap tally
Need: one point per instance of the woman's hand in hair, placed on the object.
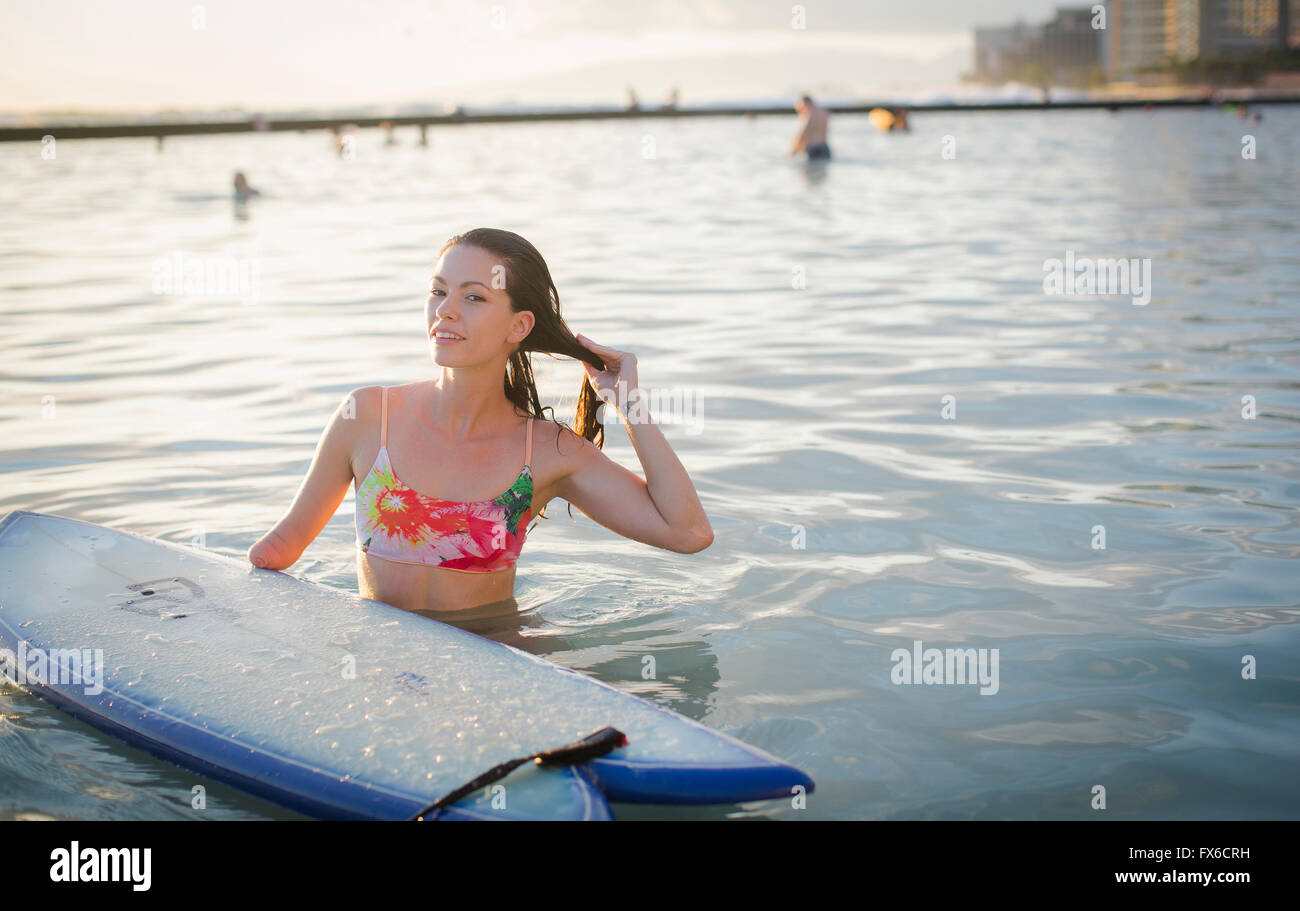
(618, 379)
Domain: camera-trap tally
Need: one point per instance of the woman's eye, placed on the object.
(434, 291)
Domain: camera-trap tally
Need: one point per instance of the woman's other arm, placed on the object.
(322, 490)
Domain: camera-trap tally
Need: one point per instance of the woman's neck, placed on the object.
(467, 404)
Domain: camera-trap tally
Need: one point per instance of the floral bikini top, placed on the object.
(397, 523)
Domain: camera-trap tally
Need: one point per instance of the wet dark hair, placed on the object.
(807, 100)
(529, 286)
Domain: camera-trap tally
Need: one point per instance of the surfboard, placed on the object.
(336, 706)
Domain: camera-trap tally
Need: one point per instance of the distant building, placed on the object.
(1000, 51)
(1063, 50)
(1241, 26)
(1069, 43)
(1141, 34)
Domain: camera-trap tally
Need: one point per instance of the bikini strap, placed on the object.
(528, 451)
(383, 432)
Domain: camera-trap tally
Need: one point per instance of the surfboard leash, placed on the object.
(592, 746)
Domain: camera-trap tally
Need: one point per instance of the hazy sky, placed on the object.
(302, 53)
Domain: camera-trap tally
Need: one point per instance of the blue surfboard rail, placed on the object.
(669, 783)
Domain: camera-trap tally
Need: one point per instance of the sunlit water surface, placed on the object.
(817, 317)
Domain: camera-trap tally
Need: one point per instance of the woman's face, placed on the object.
(468, 298)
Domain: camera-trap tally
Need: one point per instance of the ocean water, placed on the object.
(898, 434)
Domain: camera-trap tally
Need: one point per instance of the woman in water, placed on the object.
(429, 460)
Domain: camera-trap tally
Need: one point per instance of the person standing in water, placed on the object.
(812, 136)
(244, 192)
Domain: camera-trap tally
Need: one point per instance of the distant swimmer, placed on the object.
(344, 138)
(812, 135)
(243, 191)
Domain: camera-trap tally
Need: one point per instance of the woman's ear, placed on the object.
(523, 324)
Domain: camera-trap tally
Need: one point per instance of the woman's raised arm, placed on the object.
(663, 510)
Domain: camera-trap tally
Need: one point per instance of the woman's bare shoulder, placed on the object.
(362, 403)
(358, 412)
(564, 449)
(557, 453)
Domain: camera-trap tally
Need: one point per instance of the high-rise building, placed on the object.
(1001, 50)
(1061, 50)
(1138, 31)
(1069, 43)
(1240, 26)
(1182, 36)
(1141, 34)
